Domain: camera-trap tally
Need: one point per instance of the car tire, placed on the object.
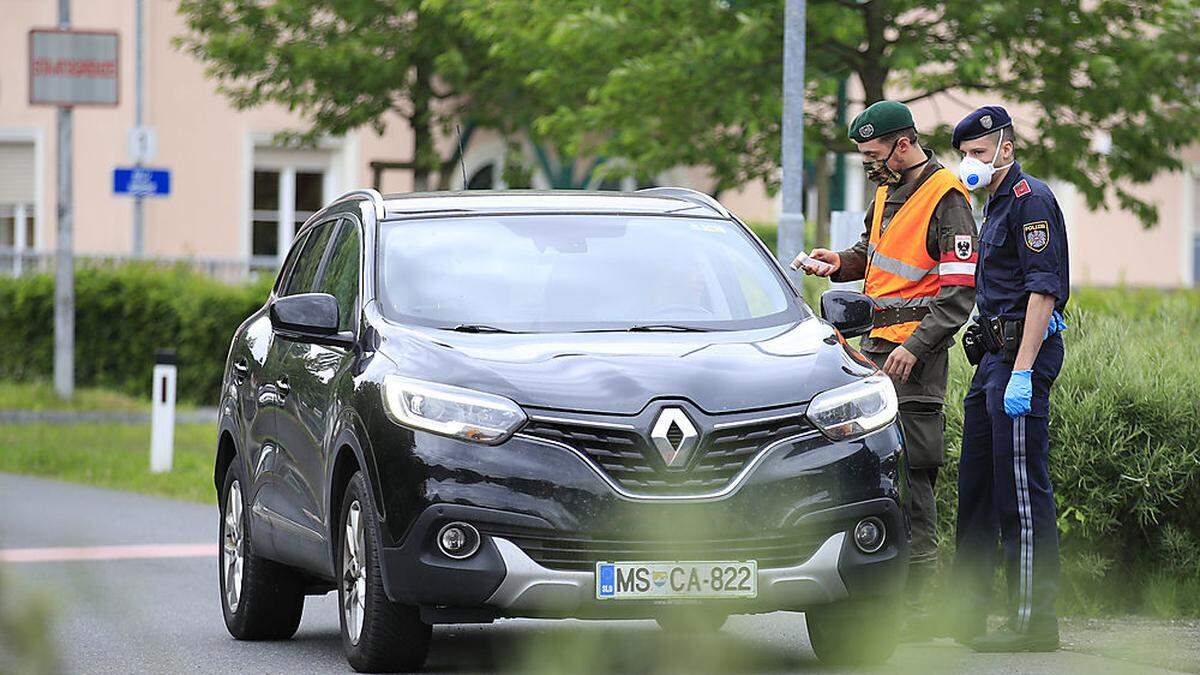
(261, 599)
(854, 632)
(691, 620)
(390, 636)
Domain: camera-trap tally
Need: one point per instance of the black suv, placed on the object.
(459, 407)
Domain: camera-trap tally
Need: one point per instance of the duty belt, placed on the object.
(894, 315)
(993, 335)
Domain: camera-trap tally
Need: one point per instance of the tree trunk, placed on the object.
(823, 194)
(424, 155)
(874, 72)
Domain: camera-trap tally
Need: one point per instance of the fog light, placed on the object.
(869, 534)
(458, 540)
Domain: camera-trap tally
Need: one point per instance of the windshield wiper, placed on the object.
(649, 328)
(478, 328)
(652, 327)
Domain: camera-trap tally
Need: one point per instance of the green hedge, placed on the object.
(1124, 452)
(122, 315)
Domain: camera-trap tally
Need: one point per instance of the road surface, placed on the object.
(133, 584)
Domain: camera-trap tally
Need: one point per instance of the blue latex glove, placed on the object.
(1018, 395)
(1056, 325)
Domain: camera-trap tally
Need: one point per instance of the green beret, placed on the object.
(882, 117)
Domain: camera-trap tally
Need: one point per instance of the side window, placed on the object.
(290, 263)
(304, 270)
(340, 276)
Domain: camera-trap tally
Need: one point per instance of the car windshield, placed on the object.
(550, 273)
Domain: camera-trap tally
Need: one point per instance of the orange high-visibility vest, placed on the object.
(900, 272)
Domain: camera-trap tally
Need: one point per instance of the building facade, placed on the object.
(237, 197)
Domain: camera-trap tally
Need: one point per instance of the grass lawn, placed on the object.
(41, 396)
(112, 455)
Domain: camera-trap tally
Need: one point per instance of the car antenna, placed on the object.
(462, 162)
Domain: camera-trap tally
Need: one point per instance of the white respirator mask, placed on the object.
(975, 174)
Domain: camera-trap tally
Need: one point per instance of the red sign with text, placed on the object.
(69, 68)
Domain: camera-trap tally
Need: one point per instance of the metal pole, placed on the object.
(64, 275)
(139, 212)
(791, 220)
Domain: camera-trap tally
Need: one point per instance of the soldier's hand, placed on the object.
(833, 260)
(899, 363)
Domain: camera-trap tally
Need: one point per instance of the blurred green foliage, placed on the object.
(26, 636)
(666, 83)
(1124, 452)
(123, 315)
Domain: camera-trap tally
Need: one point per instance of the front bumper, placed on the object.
(502, 579)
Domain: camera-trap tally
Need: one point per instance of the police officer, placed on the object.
(1004, 490)
(917, 255)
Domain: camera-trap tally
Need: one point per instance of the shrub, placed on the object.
(1124, 450)
(122, 316)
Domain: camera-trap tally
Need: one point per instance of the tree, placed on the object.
(698, 82)
(348, 64)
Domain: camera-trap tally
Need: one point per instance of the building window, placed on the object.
(18, 226)
(483, 179)
(283, 198)
(611, 183)
(615, 182)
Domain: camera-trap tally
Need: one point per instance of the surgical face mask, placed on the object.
(879, 172)
(975, 174)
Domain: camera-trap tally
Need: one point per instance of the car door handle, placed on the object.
(282, 386)
(240, 371)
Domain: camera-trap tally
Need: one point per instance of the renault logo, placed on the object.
(675, 437)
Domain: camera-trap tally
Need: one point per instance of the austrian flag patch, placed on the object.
(957, 267)
(1037, 235)
(1022, 188)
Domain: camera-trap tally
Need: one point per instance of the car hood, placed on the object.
(620, 373)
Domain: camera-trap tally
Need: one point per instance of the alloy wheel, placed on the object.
(354, 572)
(233, 551)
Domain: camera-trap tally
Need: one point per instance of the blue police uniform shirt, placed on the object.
(1022, 248)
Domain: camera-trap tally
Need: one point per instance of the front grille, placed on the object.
(630, 459)
(573, 551)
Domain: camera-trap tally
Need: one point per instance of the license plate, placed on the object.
(657, 580)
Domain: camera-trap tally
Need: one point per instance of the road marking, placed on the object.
(128, 552)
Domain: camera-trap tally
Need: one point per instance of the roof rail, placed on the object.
(688, 195)
(373, 195)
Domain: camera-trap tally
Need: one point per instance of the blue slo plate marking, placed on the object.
(607, 580)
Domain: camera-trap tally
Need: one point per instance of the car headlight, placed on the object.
(855, 409)
(451, 411)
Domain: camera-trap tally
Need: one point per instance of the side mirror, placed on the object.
(309, 317)
(850, 312)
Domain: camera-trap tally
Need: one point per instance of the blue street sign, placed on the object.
(142, 182)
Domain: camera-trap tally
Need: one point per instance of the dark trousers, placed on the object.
(1004, 492)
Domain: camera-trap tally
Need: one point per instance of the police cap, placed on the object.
(980, 123)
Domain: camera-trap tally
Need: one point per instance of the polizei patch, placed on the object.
(1037, 235)
(962, 246)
